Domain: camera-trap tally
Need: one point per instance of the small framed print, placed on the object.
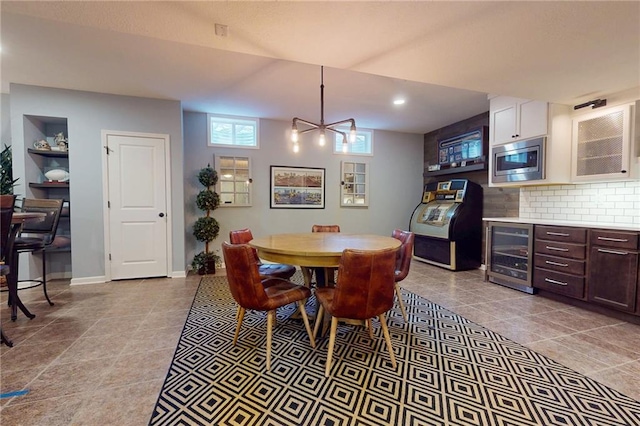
(297, 187)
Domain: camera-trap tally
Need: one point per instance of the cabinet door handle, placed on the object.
(557, 234)
(556, 248)
(549, 280)
(616, 240)
(620, 253)
(548, 262)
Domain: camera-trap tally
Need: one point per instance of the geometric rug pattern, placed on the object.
(450, 371)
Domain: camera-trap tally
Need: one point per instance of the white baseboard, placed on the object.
(89, 280)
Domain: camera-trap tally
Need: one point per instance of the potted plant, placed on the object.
(7, 182)
(206, 228)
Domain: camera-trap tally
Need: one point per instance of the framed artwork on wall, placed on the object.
(297, 187)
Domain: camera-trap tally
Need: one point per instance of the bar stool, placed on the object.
(37, 236)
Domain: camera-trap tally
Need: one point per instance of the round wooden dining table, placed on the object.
(316, 248)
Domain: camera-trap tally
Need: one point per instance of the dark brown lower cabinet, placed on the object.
(559, 260)
(613, 269)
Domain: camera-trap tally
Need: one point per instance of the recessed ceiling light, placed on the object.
(398, 102)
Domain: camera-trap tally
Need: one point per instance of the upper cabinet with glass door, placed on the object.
(355, 184)
(234, 180)
(602, 145)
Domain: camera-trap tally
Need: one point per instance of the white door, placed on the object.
(138, 225)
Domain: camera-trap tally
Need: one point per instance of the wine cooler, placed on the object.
(509, 253)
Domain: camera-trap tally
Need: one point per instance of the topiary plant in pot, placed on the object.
(7, 182)
(206, 228)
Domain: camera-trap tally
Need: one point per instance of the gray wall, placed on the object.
(87, 115)
(396, 169)
(396, 182)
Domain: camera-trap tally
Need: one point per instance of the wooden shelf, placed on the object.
(454, 170)
(62, 185)
(44, 153)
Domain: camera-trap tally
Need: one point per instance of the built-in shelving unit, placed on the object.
(37, 163)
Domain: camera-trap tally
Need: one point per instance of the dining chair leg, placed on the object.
(305, 318)
(240, 317)
(4, 339)
(370, 328)
(401, 303)
(44, 277)
(387, 338)
(332, 341)
(306, 275)
(316, 325)
(271, 316)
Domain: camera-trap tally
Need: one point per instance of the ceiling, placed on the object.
(443, 57)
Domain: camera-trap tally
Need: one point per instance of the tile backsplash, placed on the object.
(613, 202)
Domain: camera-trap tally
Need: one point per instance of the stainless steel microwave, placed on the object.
(519, 161)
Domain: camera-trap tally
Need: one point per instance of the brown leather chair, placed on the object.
(403, 262)
(325, 276)
(38, 236)
(269, 270)
(249, 292)
(364, 290)
(325, 228)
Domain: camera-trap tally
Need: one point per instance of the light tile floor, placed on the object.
(100, 355)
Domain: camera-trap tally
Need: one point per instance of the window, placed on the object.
(239, 132)
(362, 146)
(234, 180)
(355, 184)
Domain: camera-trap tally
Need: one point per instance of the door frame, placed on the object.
(105, 195)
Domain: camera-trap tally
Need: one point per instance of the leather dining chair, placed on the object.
(38, 236)
(279, 270)
(364, 290)
(326, 276)
(251, 292)
(403, 262)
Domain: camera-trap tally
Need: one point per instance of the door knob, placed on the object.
(161, 215)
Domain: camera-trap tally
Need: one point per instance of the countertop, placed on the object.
(580, 224)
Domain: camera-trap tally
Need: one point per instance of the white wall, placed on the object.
(87, 115)
(396, 182)
(5, 121)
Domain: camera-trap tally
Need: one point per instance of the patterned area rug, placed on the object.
(450, 372)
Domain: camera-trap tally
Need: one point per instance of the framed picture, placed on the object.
(297, 188)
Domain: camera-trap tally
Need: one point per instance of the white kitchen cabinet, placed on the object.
(513, 119)
(557, 148)
(601, 145)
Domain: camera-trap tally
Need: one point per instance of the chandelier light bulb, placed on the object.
(294, 135)
(296, 147)
(345, 148)
(322, 140)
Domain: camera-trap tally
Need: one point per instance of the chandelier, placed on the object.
(323, 128)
